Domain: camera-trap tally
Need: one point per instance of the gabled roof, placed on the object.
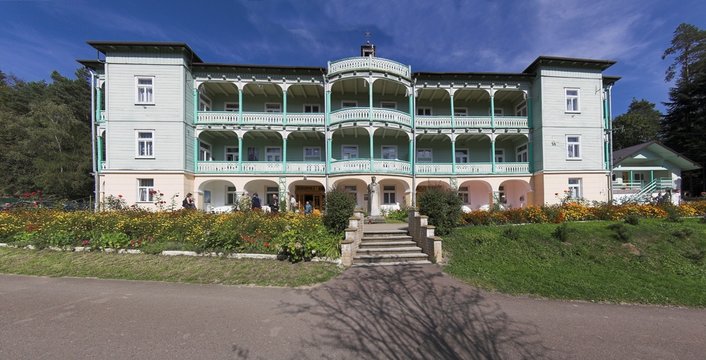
(659, 149)
(104, 46)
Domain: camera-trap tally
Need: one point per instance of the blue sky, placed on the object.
(436, 35)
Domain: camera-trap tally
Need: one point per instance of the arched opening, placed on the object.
(262, 151)
(266, 191)
(262, 98)
(511, 154)
(509, 104)
(431, 184)
(349, 94)
(433, 154)
(391, 95)
(473, 154)
(218, 96)
(217, 196)
(350, 151)
(306, 152)
(357, 187)
(304, 99)
(303, 191)
(391, 149)
(513, 193)
(476, 195)
(470, 103)
(394, 194)
(218, 151)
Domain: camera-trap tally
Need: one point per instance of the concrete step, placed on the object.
(391, 263)
(384, 232)
(389, 258)
(387, 243)
(389, 250)
(388, 238)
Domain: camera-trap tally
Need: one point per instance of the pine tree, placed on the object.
(638, 125)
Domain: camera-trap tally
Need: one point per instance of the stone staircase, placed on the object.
(388, 247)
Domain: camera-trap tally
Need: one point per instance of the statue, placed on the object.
(373, 198)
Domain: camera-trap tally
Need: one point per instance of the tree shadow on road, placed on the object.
(410, 312)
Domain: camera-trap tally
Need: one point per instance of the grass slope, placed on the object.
(188, 269)
(591, 265)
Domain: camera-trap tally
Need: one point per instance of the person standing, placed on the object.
(293, 203)
(308, 209)
(256, 203)
(275, 204)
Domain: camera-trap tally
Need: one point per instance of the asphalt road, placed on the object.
(404, 312)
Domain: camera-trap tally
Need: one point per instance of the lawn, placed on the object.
(201, 270)
(662, 264)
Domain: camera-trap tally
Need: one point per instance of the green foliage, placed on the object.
(632, 219)
(673, 214)
(638, 125)
(620, 232)
(511, 233)
(112, 240)
(339, 208)
(398, 215)
(682, 233)
(443, 207)
(562, 232)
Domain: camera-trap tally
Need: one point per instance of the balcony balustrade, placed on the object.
(260, 118)
(308, 119)
(218, 117)
(474, 168)
(363, 114)
(392, 166)
(444, 121)
(350, 166)
(218, 167)
(366, 63)
(433, 168)
(258, 167)
(306, 167)
(512, 168)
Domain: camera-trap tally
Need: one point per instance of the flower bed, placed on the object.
(296, 237)
(572, 211)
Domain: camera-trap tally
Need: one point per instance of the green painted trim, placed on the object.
(652, 175)
(492, 113)
(372, 153)
(411, 155)
(370, 101)
(240, 153)
(453, 156)
(98, 104)
(100, 154)
(530, 139)
(284, 107)
(453, 115)
(327, 108)
(328, 154)
(284, 155)
(196, 154)
(240, 106)
(492, 156)
(196, 107)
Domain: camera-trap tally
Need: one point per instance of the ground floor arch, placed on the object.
(267, 191)
(213, 195)
(476, 194)
(514, 193)
(303, 191)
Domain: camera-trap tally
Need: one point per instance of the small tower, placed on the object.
(367, 49)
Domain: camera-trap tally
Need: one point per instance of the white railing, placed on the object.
(262, 167)
(347, 166)
(510, 121)
(217, 167)
(262, 118)
(369, 63)
(308, 119)
(350, 114)
(392, 166)
(395, 116)
(442, 121)
(217, 117)
(470, 168)
(306, 167)
(472, 121)
(512, 168)
(432, 169)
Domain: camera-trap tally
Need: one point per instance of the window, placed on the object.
(424, 155)
(498, 111)
(501, 195)
(312, 153)
(273, 107)
(351, 189)
(204, 151)
(273, 154)
(460, 111)
(461, 155)
(204, 103)
(463, 194)
(389, 152)
(349, 103)
(312, 108)
(424, 111)
(572, 100)
(499, 155)
(521, 109)
(145, 143)
(145, 190)
(522, 153)
(231, 196)
(231, 106)
(252, 153)
(144, 90)
(574, 188)
(232, 153)
(207, 197)
(349, 152)
(573, 147)
(388, 105)
(270, 193)
(388, 194)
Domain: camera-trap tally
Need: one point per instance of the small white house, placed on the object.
(648, 170)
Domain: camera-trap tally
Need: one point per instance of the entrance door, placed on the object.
(313, 194)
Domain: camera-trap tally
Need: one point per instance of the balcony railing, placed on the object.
(444, 121)
(306, 167)
(392, 166)
(369, 63)
(260, 118)
(218, 167)
(262, 167)
(363, 114)
(471, 168)
(433, 168)
(512, 168)
(350, 166)
(474, 168)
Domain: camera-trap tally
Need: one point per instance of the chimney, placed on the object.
(367, 49)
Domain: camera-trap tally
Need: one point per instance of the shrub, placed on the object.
(562, 232)
(339, 208)
(443, 207)
(306, 237)
(621, 232)
(399, 215)
(672, 213)
(632, 219)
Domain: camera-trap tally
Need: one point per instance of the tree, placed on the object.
(684, 126)
(638, 125)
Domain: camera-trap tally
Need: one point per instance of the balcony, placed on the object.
(367, 63)
(512, 168)
(217, 167)
(350, 166)
(306, 167)
(485, 168)
(363, 114)
(392, 166)
(260, 118)
(444, 121)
